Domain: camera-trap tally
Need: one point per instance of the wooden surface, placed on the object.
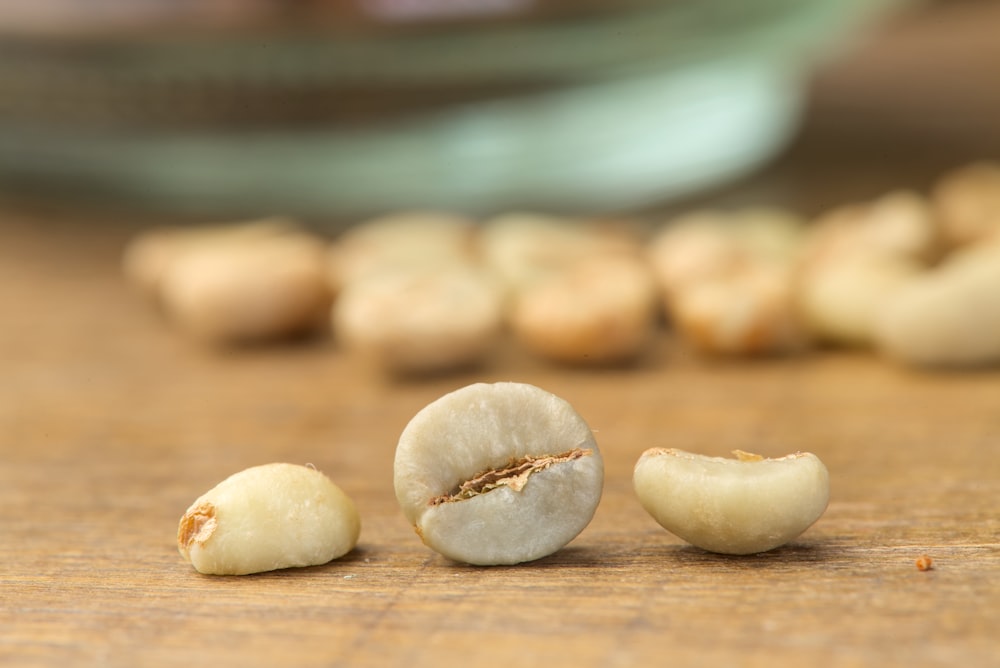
(110, 425)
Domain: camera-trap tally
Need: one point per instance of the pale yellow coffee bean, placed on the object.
(148, 255)
(748, 312)
(770, 235)
(522, 248)
(706, 245)
(724, 278)
(856, 258)
(402, 241)
(247, 292)
(599, 310)
(268, 517)
(967, 202)
(695, 248)
(949, 316)
(421, 321)
(900, 223)
(498, 474)
(840, 301)
(732, 506)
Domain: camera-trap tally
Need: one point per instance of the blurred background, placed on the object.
(336, 109)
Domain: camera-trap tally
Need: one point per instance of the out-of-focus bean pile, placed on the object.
(914, 276)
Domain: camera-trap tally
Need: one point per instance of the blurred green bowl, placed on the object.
(597, 113)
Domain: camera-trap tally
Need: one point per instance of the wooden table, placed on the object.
(110, 425)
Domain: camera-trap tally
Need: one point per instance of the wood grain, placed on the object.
(110, 425)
